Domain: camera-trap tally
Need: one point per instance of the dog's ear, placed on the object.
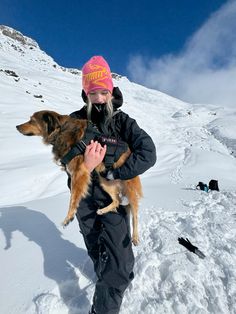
(51, 122)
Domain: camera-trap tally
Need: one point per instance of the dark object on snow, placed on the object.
(186, 243)
(213, 185)
(202, 186)
(11, 73)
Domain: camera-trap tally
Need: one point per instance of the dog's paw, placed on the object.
(100, 212)
(67, 221)
(135, 240)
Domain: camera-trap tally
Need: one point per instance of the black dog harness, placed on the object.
(115, 147)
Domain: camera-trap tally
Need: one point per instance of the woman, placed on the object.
(107, 237)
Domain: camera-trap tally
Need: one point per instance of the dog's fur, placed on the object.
(63, 132)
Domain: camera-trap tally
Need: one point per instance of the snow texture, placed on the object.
(45, 269)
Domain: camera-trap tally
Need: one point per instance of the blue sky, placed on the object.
(131, 35)
(72, 31)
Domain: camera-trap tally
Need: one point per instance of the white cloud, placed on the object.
(204, 71)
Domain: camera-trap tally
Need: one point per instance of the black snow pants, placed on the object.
(108, 241)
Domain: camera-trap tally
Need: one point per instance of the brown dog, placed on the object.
(63, 132)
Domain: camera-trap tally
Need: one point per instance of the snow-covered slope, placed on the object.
(44, 268)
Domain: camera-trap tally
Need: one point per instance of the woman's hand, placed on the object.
(94, 155)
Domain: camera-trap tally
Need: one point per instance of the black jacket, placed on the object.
(125, 128)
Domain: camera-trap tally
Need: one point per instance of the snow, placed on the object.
(45, 269)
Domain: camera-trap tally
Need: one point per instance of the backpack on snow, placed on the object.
(213, 185)
(202, 186)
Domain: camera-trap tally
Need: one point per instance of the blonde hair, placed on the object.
(109, 109)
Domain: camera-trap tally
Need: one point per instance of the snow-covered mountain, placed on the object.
(44, 268)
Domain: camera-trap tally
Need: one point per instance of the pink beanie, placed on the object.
(96, 74)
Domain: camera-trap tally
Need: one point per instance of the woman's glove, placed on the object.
(186, 243)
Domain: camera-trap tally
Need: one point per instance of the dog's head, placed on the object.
(42, 123)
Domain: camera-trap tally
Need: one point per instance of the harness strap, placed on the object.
(91, 132)
(76, 150)
(115, 147)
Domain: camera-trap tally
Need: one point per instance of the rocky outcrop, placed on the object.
(24, 44)
(16, 35)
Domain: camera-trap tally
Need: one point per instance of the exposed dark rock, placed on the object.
(116, 76)
(12, 33)
(9, 73)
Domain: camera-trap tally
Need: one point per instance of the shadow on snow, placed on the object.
(60, 255)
